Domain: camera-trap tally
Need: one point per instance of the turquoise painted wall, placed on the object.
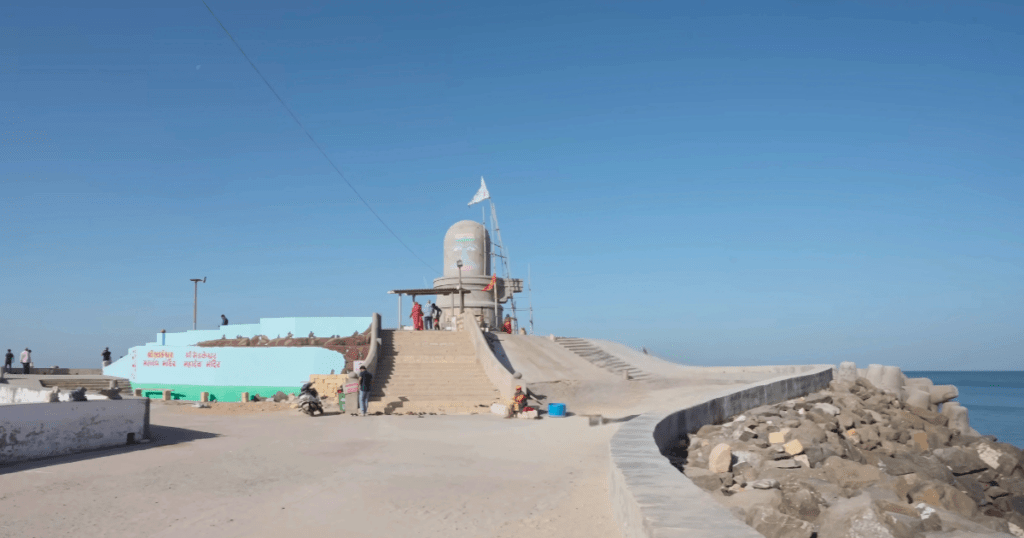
(218, 393)
(178, 364)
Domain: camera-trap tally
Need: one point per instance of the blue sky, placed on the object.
(757, 183)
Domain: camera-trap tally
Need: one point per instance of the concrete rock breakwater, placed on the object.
(872, 456)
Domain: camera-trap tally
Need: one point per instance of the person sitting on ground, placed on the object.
(518, 401)
(223, 320)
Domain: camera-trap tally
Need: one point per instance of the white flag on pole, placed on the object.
(481, 194)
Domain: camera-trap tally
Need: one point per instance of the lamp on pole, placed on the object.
(462, 296)
(195, 299)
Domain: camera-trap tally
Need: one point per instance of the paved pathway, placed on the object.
(279, 473)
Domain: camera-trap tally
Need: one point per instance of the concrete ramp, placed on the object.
(542, 360)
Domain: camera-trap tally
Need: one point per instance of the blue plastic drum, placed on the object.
(556, 410)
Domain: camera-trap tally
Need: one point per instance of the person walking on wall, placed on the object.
(417, 316)
(435, 312)
(365, 386)
(106, 356)
(8, 359)
(26, 360)
(428, 320)
(223, 320)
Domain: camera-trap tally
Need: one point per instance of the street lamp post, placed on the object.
(195, 299)
(462, 296)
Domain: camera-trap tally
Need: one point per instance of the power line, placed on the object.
(311, 139)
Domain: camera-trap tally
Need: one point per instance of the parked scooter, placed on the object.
(309, 400)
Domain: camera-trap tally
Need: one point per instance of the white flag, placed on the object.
(481, 194)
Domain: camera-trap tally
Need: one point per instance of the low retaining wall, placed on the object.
(59, 371)
(500, 377)
(42, 430)
(20, 395)
(651, 498)
(371, 354)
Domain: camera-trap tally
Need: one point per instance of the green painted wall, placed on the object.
(218, 393)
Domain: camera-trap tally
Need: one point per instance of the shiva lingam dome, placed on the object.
(469, 242)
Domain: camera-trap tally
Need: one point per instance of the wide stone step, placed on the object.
(437, 408)
(427, 340)
(429, 354)
(397, 395)
(414, 361)
(462, 380)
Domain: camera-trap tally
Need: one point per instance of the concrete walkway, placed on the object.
(273, 473)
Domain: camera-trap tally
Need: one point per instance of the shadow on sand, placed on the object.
(159, 436)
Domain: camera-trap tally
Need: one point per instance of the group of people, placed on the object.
(429, 320)
(26, 360)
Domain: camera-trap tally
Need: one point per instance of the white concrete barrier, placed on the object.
(31, 431)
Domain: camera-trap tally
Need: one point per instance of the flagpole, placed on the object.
(529, 286)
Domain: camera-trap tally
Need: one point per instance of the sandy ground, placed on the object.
(265, 469)
(272, 472)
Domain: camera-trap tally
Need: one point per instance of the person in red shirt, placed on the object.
(417, 316)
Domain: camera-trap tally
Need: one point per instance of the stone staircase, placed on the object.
(90, 383)
(429, 372)
(602, 359)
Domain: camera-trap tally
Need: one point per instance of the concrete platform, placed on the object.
(225, 475)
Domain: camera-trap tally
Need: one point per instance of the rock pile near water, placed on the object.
(858, 461)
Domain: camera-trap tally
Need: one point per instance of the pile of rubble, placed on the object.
(353, 347)
(859, 461)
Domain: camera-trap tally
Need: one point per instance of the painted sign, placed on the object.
(188, 365)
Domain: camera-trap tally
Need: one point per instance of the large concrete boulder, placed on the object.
(847, 372)
(856, 517)
(891, 380)
(749, 498)
(720, 459)
(801, 502)
(957, 415)
(775, 524)
(943, 393)
(849, 474)
(1000, 457)
(916, 397)
(960, 460)
(874, 374)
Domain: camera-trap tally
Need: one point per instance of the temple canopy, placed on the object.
(423, 291)
(428, 291)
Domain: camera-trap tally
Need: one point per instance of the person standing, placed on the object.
(26, 360)
(428, 319)
(223, 320)
(507, 326)
(365, 386)
(435, 312)
(417, 316)
(106, 356)
(8, 359)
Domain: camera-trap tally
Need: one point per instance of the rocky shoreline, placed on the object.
(876, 455)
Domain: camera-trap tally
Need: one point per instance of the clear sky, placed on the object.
(756, 183)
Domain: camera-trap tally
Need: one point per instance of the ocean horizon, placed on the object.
(994, 399)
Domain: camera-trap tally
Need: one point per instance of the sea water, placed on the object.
(994, 400)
